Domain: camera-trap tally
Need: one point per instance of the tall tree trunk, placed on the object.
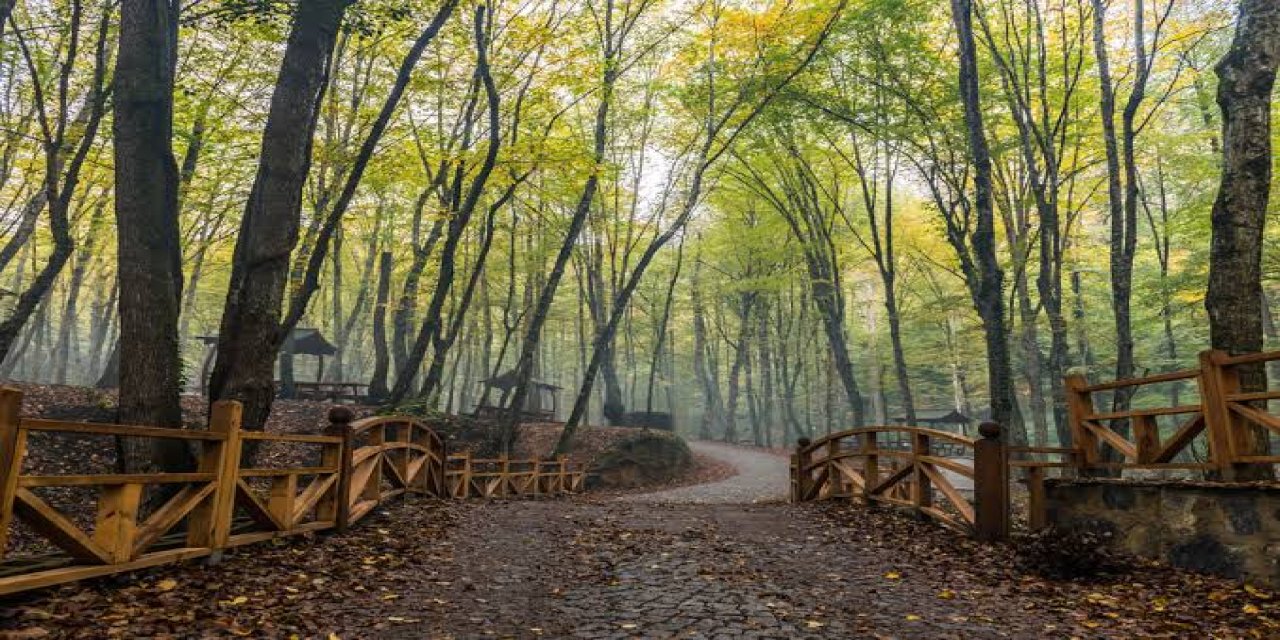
(381, 358)
(988, 290)
(150, 256)
(1246, 77)
(251, 334)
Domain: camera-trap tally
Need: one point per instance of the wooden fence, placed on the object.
(503, 477)
(147, 519)
(1211, 438)
(906, 466)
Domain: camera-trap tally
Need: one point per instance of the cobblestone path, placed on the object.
(715, 561)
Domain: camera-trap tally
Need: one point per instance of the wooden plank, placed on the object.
(892, 479)
(258, 512)
(1146, 437)
(1257, 416)
(1179, 441)
(950, 492)
(291, 471)
(1251, 358)
(284, 490)
(114, 479)
(42, 579)
(1037, 507)
(1112, 438)
(170, 514)
(254, 537)
(210, 522)
(1142, 413)
(117, 520)
(59, 530)
(361, 477)
(953, 466)
(290, 437)
(93, 428)
(1172, 376)
(1257, 396)
(311, 495)
(13, 441)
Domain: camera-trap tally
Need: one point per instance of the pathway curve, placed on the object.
(761, 477)
(727, 559)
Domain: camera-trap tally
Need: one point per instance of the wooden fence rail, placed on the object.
(147, 519)
(504, 477)
(955, 480)
(1215, 437)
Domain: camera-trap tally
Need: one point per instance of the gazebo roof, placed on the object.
(307, 341)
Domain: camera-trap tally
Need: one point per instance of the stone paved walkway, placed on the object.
(723, 560)
(762, 477)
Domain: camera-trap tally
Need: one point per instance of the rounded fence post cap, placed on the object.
(341, 414)
(990, 430)
(803, 442)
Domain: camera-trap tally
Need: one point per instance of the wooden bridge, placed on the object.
(354, 466)
(917, 468)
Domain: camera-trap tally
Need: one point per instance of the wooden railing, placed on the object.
(957, 481)
(147, 519)
(390, 456)
(503, 477)
(1223, 420)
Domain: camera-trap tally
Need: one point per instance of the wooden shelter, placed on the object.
(302, 341)
(540, 405)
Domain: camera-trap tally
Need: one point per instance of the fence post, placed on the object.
(1216, 382)
(210, 524)
(800, 474)
(340, 419)
(466, 475)
(1037, 515)
(922, 488)
(991, 483)
(1079, 408)
(12, 447)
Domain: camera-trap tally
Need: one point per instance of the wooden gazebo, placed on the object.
(302, 341)
(539, 406)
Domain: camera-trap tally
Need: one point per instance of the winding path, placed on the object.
(761, 477)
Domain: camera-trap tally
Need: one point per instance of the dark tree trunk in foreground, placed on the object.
(250, 335)
(150, 257)
(1246, 77)
(987, 291)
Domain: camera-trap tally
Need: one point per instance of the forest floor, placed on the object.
(724, 559)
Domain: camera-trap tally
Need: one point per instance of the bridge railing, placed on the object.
(1158, 432)
(504, 477)
(137, 520)
(957, 481)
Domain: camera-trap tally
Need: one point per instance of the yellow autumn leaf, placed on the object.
(913, 617)
(947, 594)
(168, 584)
(892, 575)
(1251, 609)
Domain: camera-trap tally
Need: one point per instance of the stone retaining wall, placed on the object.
(1228, 530)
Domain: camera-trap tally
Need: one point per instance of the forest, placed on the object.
(768, 219)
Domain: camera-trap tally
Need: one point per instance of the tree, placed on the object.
(1246, 77)
(146, 196)
(251, 333)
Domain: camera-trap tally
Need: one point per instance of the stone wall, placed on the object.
(1228, 530)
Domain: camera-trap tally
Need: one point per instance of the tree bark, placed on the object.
(988, 290)
(1246, 77)
(251, 334)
